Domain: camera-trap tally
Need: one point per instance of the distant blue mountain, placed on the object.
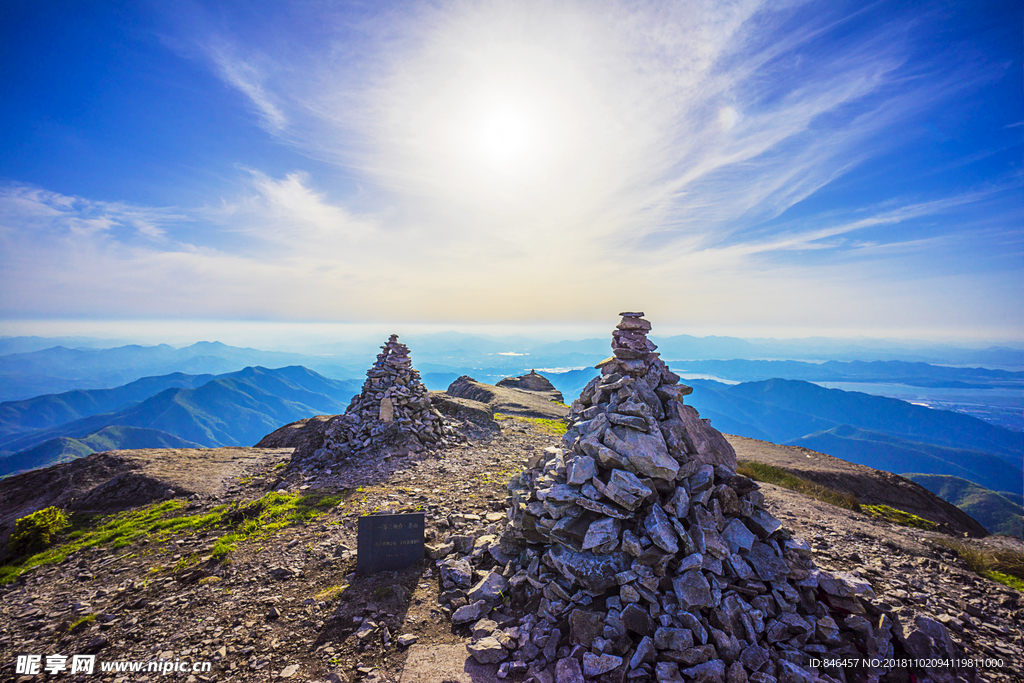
(237, 409)
(915, 374)
(51, 410)
(879, 432)
(65, 449)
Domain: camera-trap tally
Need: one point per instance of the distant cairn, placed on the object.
(391, 416)
(637, 553)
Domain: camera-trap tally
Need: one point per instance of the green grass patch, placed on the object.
(1004, 566)
(82, 622)
(158, 523)
(759, 471)
(888, 514)
(555, 427)
(332, 593)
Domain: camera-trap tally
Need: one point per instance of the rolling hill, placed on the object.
(233, 410)
(51, 410)
(996, 512)
(893, 454)
(64, 449)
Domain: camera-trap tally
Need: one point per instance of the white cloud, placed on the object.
(248, 79)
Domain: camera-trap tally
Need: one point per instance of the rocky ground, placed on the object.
(289, 605)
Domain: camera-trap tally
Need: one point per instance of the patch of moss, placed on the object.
(759, 471)
(332, 593)
(384, 592)
(889, 514)
(206, 580)
(257, 519)
(555, 427)
(82, 622)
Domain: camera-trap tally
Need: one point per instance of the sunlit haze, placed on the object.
(745, 168)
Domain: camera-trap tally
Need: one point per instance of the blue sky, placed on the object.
(750, 168)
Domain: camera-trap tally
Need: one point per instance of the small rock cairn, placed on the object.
(392, 414)
(636, 553)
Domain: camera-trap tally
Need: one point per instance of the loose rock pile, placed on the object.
(636, 553)
(533, 381)
(391, 415)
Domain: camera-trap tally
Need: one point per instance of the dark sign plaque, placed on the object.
(388, 542)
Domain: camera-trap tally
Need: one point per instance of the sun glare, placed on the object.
(503, 136)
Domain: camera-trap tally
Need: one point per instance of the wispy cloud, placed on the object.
(555, 160)
(248, 79)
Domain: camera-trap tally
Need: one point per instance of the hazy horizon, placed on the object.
(743, 168)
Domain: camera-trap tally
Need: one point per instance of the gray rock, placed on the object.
(457, 572)
(601, 532)
(766, 563)
(713, 670)
(660, 530)
(645, 653)
(692, 590)
(763, 524)
(581, 470)
(753, 657)
(624, 488)
(631, 544)
(679, 503)
(468, 613)
(710, 446)
(487, 651)
(584, 626)
(737, 536)
(666, 638)
(702, 479)
(601, 508)
(489, 588)
(567, 670)
(637, 620)
(590, 571)
(646, 453)
(483, 628)
(667, 672)
(594, 665)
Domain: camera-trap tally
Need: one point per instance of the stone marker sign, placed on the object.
(389, 542)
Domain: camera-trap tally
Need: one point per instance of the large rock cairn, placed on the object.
(392, 414)
(636, 553)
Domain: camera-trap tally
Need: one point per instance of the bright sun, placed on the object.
(503, 135)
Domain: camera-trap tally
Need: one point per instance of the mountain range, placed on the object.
(235, 409)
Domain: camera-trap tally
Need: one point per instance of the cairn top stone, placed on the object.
(629, 314)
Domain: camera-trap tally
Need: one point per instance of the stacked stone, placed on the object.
(638, 554)
(392, 413)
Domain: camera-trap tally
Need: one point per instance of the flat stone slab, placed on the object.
(448, 663)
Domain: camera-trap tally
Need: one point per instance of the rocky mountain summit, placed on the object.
(533, 381)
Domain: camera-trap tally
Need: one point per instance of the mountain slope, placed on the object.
(237, 409)
(993, 511)
(832, 407)
(893, 454)
(65, 449)
(51, 410)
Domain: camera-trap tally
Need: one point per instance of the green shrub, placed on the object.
(34, 533)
